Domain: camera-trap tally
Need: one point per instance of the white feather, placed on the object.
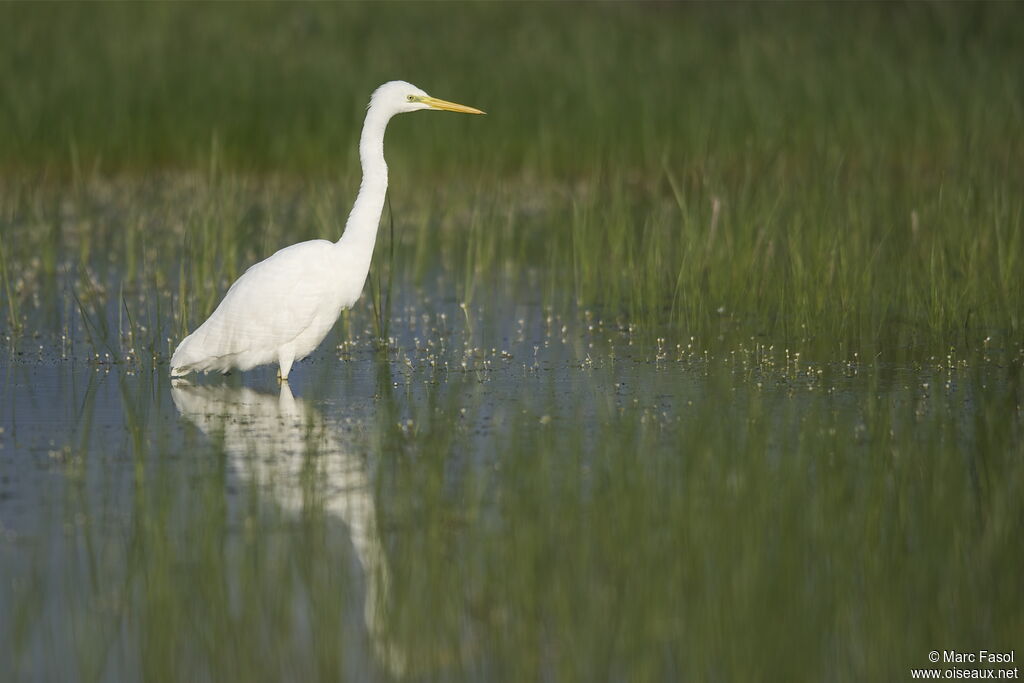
(283, 307)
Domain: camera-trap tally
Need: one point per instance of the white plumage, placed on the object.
(283, 307)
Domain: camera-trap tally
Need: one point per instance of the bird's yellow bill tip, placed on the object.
(435, 103)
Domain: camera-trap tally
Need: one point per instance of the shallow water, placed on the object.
(506, 496)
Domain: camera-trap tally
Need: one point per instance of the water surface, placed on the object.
(505, 497)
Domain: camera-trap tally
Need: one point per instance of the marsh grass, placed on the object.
(706, 341)
(10, 300)
(920, 282)
(846, 175)
(842, 175)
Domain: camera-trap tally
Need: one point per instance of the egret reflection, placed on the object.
(276, 443)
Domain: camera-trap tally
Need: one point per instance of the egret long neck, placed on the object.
(361, 228)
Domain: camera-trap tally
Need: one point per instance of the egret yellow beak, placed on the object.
(435, 103)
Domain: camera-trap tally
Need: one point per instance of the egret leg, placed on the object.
(285, 357)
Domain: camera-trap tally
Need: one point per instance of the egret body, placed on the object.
(281, 308)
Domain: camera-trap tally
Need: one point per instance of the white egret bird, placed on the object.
(283, 307)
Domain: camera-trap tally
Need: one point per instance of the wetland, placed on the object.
(698, 358)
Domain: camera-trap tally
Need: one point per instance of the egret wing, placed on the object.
(272, 302)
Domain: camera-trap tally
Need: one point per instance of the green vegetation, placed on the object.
(699, 358)
(845, 174)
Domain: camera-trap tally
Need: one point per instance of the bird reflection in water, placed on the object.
(268, 440)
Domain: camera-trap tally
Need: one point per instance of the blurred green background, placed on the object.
(843, 172)
(281, 86)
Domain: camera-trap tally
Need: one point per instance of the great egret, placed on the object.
(283, 307)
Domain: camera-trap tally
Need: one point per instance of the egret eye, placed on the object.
(411, 98)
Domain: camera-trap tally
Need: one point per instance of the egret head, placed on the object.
(398, 97)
